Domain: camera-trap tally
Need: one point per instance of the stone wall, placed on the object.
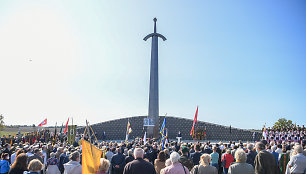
(116, 129)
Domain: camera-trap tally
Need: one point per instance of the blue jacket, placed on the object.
(4, 166)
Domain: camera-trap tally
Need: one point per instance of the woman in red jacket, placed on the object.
(228, 157)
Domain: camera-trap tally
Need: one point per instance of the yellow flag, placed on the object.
(91, 156)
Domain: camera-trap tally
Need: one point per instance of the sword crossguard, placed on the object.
(155, 33)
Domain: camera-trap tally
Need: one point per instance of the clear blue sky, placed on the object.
(243, 62)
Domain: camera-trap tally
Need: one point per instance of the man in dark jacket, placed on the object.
(251, 155)
(184, 159)
(196, 155)
(118, 162)
(139, 166)
(36, 155)
(265, 162)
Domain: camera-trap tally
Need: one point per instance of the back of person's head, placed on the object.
(174, 157)
(214, 148)
(138, 153)
(36, 150)
(161, 156)
(273, 148)
(130, 152)
(197, 147)
(240, 156)
(205, 159)
(75, 156)
(260, 146)
(228, 151)
(21, 161)
(104, 165)
(20, 151)
(250, 147)
(35, 165)
(5, 156)
(298, 149)
(168, 162)
(52, 154)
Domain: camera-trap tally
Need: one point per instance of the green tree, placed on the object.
(283, 123)
(1, 122)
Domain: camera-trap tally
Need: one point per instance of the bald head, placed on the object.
(138, 153)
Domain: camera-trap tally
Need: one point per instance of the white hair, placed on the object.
(138, 153)
(240, 156)
(174, 157)
(298, 149)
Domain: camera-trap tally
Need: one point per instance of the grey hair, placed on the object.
(174, 157)
(138, 153)
(298, 149)
(250, 146)
(240, 156)
(260, 146)
(74, 156)
(168, 162)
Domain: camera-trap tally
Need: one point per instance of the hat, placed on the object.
(184, 149)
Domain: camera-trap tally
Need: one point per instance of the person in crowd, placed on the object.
(13, 156)
(37, 155)
(283, 160)
(251, 154)
(215, 158)
(159, 163)
(4, 163)
(195, 157)
(73, 166)
(104, 166)
(167, 163)
(34, 167)
(118, 162)
(184, 159)
(204, 167)
(20, 164)
(264, 161)
(297, 163)
(240, 166)
(228, 158)
(109, 154)
(129, 156)
(52, 165)
(176, 167)
(63, 159)
(139, 165)
(275, 154)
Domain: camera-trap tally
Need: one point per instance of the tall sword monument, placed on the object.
(153, 96)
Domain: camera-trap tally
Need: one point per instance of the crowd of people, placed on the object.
(291, 134)
(134, 157)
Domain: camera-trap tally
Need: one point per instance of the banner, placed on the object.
(90, 158)
(71, 134)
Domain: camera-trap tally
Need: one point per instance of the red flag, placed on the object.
(195, 120)
(66, 127)
(43, 123)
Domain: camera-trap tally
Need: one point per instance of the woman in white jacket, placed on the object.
(73, 166)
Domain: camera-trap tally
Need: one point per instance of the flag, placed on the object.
(66, 126)
(195, 121)
(43, 122)
(128, 130)
(61, 130)
(145, 138)
(71, 134)
(90, 158)
(163, 133)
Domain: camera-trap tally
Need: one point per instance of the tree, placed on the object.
(283, 123)
(1, 122)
